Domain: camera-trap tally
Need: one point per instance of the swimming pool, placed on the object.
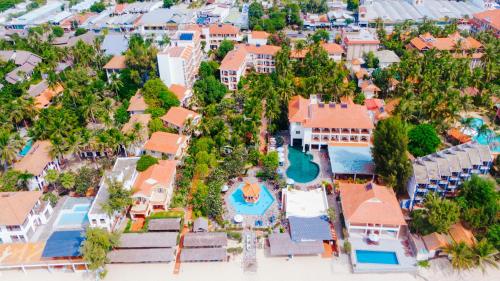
(302, 169)
(486, 138)
(26, 148)
(266, 199)
(74, 217)
(364, 256)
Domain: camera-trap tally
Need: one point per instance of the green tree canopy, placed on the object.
(98, 7)
(157, 95)
(209, 90)
(479, 202)
(98, 242)
(145, 162)
(225, 47)
(423, 140)
(119, 198)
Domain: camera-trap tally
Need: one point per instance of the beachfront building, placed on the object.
(444, 171)
(215, 33)
(179, 62)
(204, 247)
(137, 104)
(314, 124)
(43, 94)
(21, 214)
(487, 21)
(123, 171)
(25, 61)
(461, 46)
(258, 38)
(37, 162)
(163, 144)
(153, 189)
(138, 125)
(244, 57)
(371, 209)
(359, 42)
(181, 119)
(300, 203)
(115, 65)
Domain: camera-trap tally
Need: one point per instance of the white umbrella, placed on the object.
(238, 218)
(225, 188)
(280, 149)
(373, 237)
(290, 181)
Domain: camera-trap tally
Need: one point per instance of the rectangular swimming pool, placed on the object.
(379, 257)
(74, 217)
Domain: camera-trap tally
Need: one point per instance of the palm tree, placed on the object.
(461, 255)
(115, 84)
(67, 180)
(10, 144)
(52, 176)
(23, 180)
(484, 255)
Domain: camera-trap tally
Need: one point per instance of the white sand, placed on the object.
(269, 269)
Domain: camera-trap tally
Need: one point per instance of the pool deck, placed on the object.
(406, 263)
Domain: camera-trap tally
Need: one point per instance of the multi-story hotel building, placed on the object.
(444, 171)
(314, 124)
(246, 56)
(359, 42)
(216, 33)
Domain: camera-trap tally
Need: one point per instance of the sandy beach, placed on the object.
(269, 269)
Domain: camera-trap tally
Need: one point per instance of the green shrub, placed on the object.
(424, 264)
(145, 162)
(80, 31)
(234, 235)
(57, 31)
(51, 198)
(347, 247)
(235, 250)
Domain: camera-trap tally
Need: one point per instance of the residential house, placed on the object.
(181, 119)
(142, 135)
(137, 104)
(443, 172)
(314, 124)
(21, 214)
(359, 42)
(179, 62)
(487, 21)
(369, 89)
(163, 144)
(25, 61)
(371, 209)
(114, 44)
(153, 189)
(123, 171)
(115, 65)
(386, 58)
(243, 57)
(461, 46)
(37, 162)
(162, 20)
(34, 17)
(182, 93)
(258, 38)
(43, 94)
(216, 33)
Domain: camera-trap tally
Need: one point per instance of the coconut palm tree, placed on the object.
(484, 255)
(461, 255)
(10, 144)
(114, 84)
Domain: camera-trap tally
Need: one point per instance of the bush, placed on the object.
(423, 264)
(80, 31)
(51, 198)
(347, 247)
(57, 31)
(97, 7)
(235, 250)
(234, 236)
(145, 162)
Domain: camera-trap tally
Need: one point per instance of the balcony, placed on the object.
(316, 130)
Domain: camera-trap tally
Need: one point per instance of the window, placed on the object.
(13, 228)
(102, 221)
(297, 132)
(94, 221)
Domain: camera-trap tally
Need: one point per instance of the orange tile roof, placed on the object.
(178, 116)
(458, 135)
(314, 116)
(370, 203)
(36, 160)
(180, 52)
(296, 54)
(164, 142)
(435, 241)
(262, 50)
(445, 43)
(234, 60)
(391, 105)
(116, 62)
(356, 61)
(418, 43)
(259, 35)
(44, 98)
(137, 102)
(460, 234)
(373, 104)
(251, 190)
(491, 16)
(161, 174)
(16, 206)
(179, 91)
(332, 48)
(223, 29)
(369, 86)
(360, 74)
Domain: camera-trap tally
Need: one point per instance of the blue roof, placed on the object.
(309, 229)
(186, 36)
(64, 244)
(351, 159)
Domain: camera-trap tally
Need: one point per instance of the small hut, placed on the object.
(251, 192)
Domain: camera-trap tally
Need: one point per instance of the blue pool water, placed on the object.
(75, 217)
(487, 138)
(301, 168)
(364, 256)
(259, 208)
(26, 148)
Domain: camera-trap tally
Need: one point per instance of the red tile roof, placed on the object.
(178, 116)
(223, 29)
(234, 60)
(179, 91)
(161, 174)
(137, 102)
(259, 35)
(164, 142)
(491, 16)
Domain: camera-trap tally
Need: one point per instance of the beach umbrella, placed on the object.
(225, 188)
(238, 218)
(290, 181)
(373, 237)
(280, 149)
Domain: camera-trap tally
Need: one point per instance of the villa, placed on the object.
(153, 189)
(160, 144)
(182, 93)
(181, 119)
(335, 52)
(26, 62)
(445, 170)
(137, 104)
(216, 33)
(123, 171)
(115, 66)
(21, 214)
(43, 94)
(371, 208)
(315, 125)
(143, 133)
(37, 162)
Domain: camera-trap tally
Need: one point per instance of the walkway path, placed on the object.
(263, 129)
(249, 261)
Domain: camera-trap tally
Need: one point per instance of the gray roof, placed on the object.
(203, 254)
(281, 245)
(386, 56)
(205, 239)
(200, 224)
(309, 229)
(148, 240)
(141, 255)
(37, 89)
(163, 16)
(25, 60)
(164, 224)
(114, 44)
